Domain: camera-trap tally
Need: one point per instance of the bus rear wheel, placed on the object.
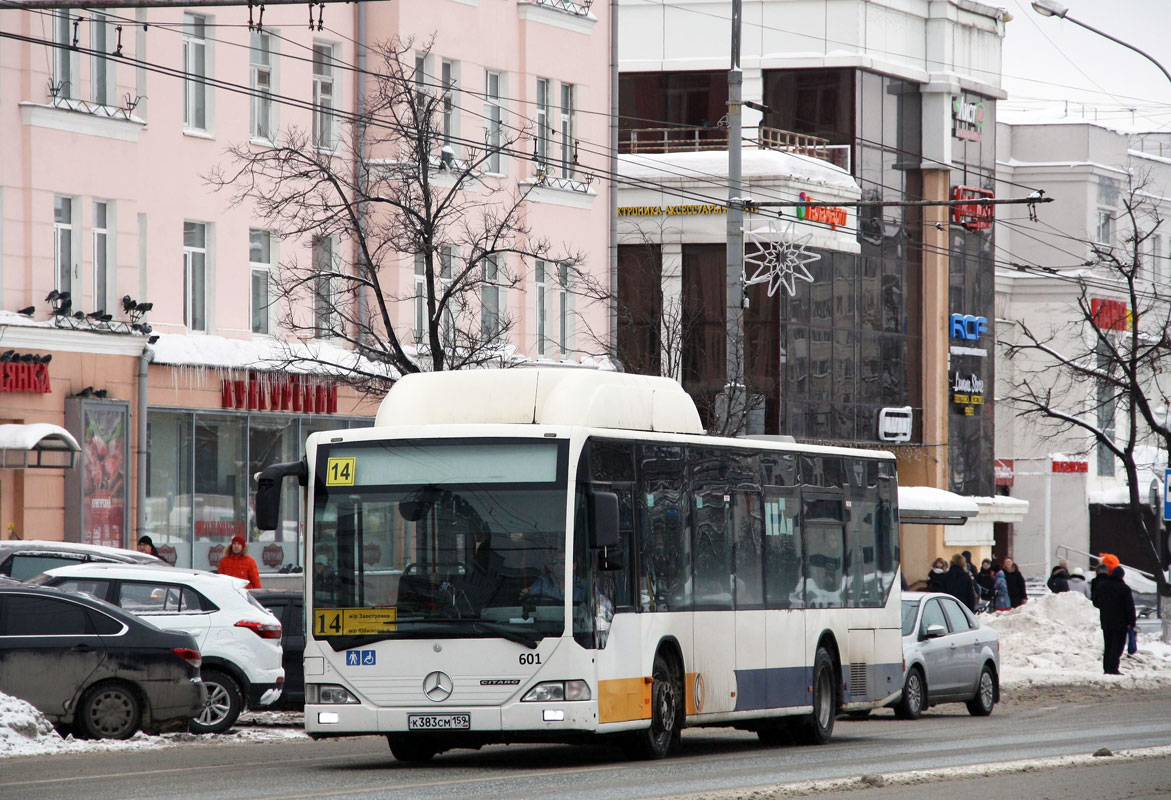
(666, 712)
(409, 749)
(818, 727)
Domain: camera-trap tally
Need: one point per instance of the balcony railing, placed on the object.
(580, 8)
(682, 140)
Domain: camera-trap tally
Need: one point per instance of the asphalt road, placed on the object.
(716, 763)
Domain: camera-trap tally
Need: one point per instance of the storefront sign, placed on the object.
(967, 119)
(22, 377)
(220, 529)
(1003, 471)
(968, 327)
(1071, 467)
(830, 215)
(269, 392)
(973, 216)
(967, 392)
(1110, 315)
(669, 211)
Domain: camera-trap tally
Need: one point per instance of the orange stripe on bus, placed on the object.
(624, 699)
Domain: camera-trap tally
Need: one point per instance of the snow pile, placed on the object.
(1057, 639)
(21, 725)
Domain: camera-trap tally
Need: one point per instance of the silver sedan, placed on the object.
(949, 657)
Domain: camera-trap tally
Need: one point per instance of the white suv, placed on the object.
(240, 639)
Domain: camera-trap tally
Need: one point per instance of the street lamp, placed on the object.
(1051, 8)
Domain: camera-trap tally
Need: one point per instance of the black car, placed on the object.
(289, 608)
(94, 669)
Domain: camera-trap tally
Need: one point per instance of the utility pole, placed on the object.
(735, 391)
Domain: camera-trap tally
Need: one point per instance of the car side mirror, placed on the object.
(935, 631)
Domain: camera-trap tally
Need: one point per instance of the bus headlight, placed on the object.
(327, 694)
(555, 691)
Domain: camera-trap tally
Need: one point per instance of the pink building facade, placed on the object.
(110, 126)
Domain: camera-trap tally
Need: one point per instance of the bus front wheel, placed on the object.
(666, 712)
(818, 727)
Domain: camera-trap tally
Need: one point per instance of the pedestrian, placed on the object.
(1077, 582)
(1058, 580)
(146, 545)
(984, 579)
(935, 575)
(957, 582)
(1116, 613)
(237, 563)
(1106, 563)
(968, 565)
(1000, 598)
(1016, 583)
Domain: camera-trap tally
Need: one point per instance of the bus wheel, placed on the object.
(666, 712)
(409, 749)
(819, 726)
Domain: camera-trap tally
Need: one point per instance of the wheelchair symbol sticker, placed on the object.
(360, 658)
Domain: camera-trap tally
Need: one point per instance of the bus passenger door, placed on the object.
(751, 625)
(710, 681)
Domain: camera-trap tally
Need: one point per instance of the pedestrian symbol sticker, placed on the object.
(360, 658)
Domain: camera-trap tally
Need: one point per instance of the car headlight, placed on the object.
(556, 691)
(328, 694)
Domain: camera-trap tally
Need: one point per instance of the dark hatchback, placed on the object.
(92, 668)
(289, 608)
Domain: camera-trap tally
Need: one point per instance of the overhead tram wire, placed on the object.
(305, 105)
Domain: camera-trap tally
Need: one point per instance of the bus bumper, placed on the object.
(550, 718)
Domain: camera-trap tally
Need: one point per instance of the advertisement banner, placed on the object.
(105, 451)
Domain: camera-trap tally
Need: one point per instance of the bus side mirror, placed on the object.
(268, 491)
(603, 520)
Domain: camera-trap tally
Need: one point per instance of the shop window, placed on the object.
(819, 102)
(169, 484)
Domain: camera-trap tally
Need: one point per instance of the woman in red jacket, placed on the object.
(237, 563)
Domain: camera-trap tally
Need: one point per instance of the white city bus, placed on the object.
(714, 581)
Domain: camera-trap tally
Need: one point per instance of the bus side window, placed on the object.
(664, 557)
(783, 581)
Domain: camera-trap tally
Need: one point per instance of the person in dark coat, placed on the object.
(984, 579)
(1016, 583)
(968, 565)
(1058, 580)
(935, 576)
(1106, 564)
(958, 582)
(1116, 613)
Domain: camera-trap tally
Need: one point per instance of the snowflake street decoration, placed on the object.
(780, 259)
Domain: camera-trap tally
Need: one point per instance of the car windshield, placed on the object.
(910, 611)
(435, 539)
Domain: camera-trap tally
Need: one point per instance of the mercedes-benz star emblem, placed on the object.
(437, 686)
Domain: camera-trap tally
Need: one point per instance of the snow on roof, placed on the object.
(264, 354)
(37, 435)
(1052, 116)
(929, 499)
(704, 165)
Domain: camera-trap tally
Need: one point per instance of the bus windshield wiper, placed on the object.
(503, 631)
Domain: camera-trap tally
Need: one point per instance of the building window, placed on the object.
(1158, 273)
(448, 78)
(564, 328)
(325, 312)
(420, 299)
(568, 130)
(543, 129)
(262, 66)
(63, 56)
(260, 262)
(420, 81)
(490, 300)
(323, 105)
(195, 275)
(63, 243)
(493, 120)
(102, 72)
(1107, 405)
(101, 237)
(541, 286)
(1103, 232)
(195, 65)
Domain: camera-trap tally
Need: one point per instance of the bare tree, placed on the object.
(1101, 373)
(396, 210)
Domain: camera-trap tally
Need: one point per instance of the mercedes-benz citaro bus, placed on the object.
(556, 554)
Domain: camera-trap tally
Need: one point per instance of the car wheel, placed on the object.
(223, 706)
(666, 712)
(818, 727)
(408, 749)
(914, 696)
(981, 705)
(109, 711)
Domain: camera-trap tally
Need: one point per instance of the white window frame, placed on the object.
(100, 233)
(260, 308)
(491, 299)
(196, 97)
(1104, 228)
(567, 112)
(564, 310)
(195, 272)
(449, 76)
(325, 300)
(493, 121)
(65, 67)
(262, 77)
(1158, 271)
(63, 243)
(324, 95)
(102, 66)
(541, 311)
(420, 321)
(544, 139)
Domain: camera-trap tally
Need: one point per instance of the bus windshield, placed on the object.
(439, 538)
